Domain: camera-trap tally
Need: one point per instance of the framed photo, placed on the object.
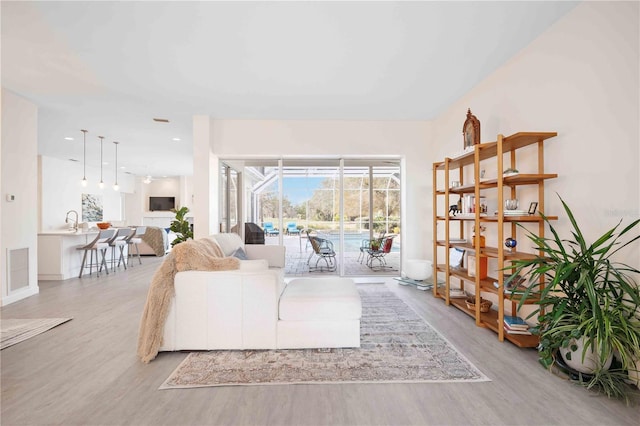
(533, 207)
(471, 130)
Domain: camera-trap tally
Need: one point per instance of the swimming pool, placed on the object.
(352, 241)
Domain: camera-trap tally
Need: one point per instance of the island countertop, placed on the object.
(58, 254)
(65, 233)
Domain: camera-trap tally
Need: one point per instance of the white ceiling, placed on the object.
(110, 67)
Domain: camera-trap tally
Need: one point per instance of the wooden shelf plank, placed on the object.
(490, 321)
(522, 139)
(490, 149)
(528, 218)
(520, 179)
(492, 252)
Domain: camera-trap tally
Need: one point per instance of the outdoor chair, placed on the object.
(269, 229)
(323, 250)
(380, 253)
(367, 245)
(292, 229)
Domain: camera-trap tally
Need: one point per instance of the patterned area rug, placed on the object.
(14, 331)
(396, 346)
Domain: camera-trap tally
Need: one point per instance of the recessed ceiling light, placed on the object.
(161, 120)
(164, 176)
(105, 163)
(176, 139)
(68, 138)
(123, 167)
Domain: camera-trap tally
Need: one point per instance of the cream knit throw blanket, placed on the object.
(192, 255)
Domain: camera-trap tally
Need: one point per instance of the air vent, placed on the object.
(73, 159)
(18, 267)
(160, 120)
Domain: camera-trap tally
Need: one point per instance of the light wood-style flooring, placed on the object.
(85, 372)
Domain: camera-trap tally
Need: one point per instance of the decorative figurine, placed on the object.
(510, 243)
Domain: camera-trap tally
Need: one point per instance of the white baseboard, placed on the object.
(19, 295)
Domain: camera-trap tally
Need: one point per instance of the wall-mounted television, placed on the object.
(162, 203)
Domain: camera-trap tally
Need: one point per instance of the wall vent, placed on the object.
(18, 268)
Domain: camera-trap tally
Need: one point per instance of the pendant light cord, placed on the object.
(101, 140)
(84, 154)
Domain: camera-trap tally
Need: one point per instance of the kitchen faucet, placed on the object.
(75, 223)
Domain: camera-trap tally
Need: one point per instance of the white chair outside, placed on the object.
(133, 241)
(99, 245)
(118, 243)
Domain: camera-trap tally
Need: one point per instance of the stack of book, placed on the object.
(456, 293)
(515, 325)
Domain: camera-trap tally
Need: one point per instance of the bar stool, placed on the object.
(119, 241)
(133, 240)
(99, 245)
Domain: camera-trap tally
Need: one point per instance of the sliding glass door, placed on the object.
(343, 203)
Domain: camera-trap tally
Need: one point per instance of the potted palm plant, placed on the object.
(589, 306)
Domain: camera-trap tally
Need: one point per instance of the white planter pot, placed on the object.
(591, 360)
(634, 376)
(417, 269)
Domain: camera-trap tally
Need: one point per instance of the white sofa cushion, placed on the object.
(228, 242)
(319, 299)
(254, 265)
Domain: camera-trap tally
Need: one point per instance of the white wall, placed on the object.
(581, 79)
(61, 191)
(19, 177)
(137, 203)
(349, 139)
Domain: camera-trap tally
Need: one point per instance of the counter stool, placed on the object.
(99, 246)
(133, 240)
(119, 241)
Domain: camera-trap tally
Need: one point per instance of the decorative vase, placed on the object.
(482, 240)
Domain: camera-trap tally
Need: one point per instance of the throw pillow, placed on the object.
(240, 254)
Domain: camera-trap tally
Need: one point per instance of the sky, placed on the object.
(298, 190)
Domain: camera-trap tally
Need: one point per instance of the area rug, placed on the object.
(397, 346)
(14, 331)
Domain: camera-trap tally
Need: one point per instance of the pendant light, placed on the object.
(115, 186)
(101, 184)
(84, 158)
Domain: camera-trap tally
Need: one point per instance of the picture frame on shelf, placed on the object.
(471, 130)
(533, 207)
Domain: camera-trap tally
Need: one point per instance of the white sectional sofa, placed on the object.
(252, 308)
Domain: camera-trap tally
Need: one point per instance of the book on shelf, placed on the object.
(523, 332)
(513, 323)
(517, 327)
(456, 293)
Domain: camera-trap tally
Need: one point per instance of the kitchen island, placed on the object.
(58, 257)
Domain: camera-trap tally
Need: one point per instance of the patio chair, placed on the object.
(380, 253)
(292, 229)
(366, 245)
(323, 249)
(269, 229)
